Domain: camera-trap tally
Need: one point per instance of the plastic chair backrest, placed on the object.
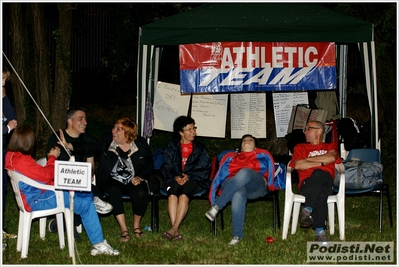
(365, 154)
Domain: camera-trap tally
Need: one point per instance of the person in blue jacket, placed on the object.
(185, 172)
(242, 175)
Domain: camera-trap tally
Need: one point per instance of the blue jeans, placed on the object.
(246, 184)
(83, 205)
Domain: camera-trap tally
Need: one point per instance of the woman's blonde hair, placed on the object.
(130, 128)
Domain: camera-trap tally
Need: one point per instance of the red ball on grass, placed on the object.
(270, 240)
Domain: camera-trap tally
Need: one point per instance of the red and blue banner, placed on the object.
(257, 66)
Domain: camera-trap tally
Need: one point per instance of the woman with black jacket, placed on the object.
(185, 172)
(125, 167)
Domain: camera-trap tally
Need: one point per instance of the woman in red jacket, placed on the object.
(242, 175)
(18, 158)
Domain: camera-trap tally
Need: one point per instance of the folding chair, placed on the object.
(371, 155)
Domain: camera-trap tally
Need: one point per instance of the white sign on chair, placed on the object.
(74, 176)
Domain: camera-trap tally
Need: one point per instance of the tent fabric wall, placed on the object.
(253, 22)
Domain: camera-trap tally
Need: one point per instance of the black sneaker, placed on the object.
(52, 226)
(306, 219)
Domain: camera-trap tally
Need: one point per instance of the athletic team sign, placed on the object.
(257, 66)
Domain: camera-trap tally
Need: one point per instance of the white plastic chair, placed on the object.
(295, 200)
(43, 221)
(26, 217)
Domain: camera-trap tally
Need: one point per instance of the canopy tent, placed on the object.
(258, 22)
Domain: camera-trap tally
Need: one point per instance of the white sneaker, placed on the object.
(212, 213)
(103, 248)
(102, 207)
(234, 241)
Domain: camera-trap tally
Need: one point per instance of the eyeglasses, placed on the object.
(191, 129)
(310, 128)
(116, 128)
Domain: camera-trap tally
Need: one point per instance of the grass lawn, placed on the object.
(200, 246)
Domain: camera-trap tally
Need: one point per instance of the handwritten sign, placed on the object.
(74, 176)
(248, 115)
(283, 103)
(168, 105)
(209, 112)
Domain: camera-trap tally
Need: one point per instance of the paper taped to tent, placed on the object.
(259, 22)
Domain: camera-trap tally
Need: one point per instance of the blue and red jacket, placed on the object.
(259, 160)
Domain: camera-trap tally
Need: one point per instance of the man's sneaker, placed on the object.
(212, 212)
(102, 207)
(234, 241)
(321, 237)
(103, 248)
(306, 219)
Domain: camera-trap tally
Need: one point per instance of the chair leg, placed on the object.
(380, 208)
(287, 216)
(341, 218)
(155, 213)
(221, 219)
(60, 227)
(295, 217)
(278, 212)
(42, 227)
(26, 235)
(331, 219)
(214, 226)
(20, 231)
(152, 213)
(386, 186)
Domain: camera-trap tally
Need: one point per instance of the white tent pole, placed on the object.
(142, 92)
(371, 86)
(375, 98)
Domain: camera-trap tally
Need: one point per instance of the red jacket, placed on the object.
(26, 165)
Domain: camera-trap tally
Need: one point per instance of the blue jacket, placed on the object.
(266, 164)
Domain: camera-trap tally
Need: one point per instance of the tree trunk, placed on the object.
(42, 70)
(62, 86)
(17, 58)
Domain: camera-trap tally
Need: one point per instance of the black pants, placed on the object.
(138, 197)
(316, 190)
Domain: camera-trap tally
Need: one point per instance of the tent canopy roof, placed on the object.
(257, 22)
